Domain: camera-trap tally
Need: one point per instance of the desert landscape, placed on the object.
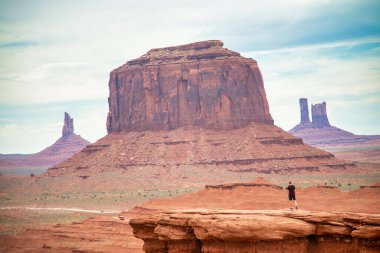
(190, 154)
(197, 146)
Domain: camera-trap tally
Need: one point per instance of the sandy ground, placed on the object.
(68, 229)
(267, 197)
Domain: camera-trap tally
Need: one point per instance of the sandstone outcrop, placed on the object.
(319, 115)
(257, 231)
(200, 84)
(68, 125)
(304, 108)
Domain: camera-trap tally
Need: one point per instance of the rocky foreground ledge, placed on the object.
(257, 231)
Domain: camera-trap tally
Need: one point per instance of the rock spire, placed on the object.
(68, 125)
(304, 108)
(319, 115)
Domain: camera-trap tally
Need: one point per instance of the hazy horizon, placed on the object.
(56, 57)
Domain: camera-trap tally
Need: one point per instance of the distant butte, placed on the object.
(318, 114)
(320, 132)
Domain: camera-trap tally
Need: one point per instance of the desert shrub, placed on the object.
(31, 174)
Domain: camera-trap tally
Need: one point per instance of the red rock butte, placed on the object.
(192, 115)
(201, 84)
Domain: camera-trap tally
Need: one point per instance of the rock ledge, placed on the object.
(257, 231)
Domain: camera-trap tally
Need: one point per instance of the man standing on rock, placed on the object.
(292, 196)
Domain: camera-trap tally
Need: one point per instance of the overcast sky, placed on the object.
(55, 56)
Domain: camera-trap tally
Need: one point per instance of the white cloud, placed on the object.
(345, 43)
(63, 51)
(349, 86)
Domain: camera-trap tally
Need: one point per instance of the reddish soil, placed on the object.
(64, 148)
(193, 157)
(365, 151)
(100, 234)
(110, 234)
(344, 145)
(266, 197)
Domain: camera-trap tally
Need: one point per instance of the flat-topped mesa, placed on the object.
(200, 84)
(319, 116)
(68, 125)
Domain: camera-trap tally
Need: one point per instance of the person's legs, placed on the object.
(293, 202)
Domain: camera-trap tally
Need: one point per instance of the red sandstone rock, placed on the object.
(256, 231)
(200, 84)
(203, 155)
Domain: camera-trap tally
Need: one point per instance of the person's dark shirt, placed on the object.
(291, 188)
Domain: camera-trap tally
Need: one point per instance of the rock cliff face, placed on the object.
(319, 116)
(257, 231)
(68, 125)
(201, 84)
(304, 108)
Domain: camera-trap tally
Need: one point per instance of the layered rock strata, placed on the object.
(257, 231)
(201, 84)
(178, 153)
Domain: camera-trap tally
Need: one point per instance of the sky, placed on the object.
(56, 56)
